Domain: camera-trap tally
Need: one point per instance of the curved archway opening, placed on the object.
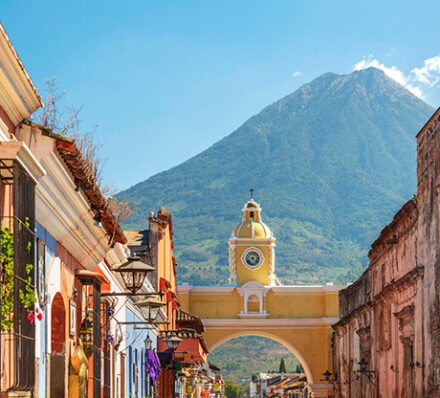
(58, 326)
(244, 354)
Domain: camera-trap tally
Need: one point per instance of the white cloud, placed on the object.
(297, 73)
(429, 73)
(413, 80)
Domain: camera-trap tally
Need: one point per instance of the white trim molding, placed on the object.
(18, 96)
(271, 323)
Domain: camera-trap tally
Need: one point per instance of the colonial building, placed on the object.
(19, 173)
(73, 250)
(61, 325)
(387, 342)
(255, 303)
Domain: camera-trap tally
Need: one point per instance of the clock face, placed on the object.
(252, 258)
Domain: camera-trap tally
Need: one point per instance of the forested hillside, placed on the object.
(330, 164)
(242, 357)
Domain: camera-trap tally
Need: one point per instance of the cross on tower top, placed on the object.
(252, 192)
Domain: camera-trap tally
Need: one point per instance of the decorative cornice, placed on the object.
(66, 214)
(271, 323)
(408, 279)
(18, 96)
(251, 315)
(300, 289)
(279, 290)
(402, 222)
(18, 151)
(205, 289)
(86, 181)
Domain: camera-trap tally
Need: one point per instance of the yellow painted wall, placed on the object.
(302, 305)
(293, 305)
(213, 306)
(310, 345)
(244, 274)
(309, 340)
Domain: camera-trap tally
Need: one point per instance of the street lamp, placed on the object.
(327, 375)
(173, 342)
(363, 365)
(133, 273)
(150, 307)
(148, 342)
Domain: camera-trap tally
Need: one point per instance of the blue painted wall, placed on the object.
(136, 355)
(51, 252)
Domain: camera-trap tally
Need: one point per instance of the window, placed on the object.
(18, 220)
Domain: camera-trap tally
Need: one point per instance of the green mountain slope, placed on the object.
(244, 356)
(330, 165)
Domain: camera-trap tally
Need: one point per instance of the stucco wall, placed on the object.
(41, 350)
(381, 318)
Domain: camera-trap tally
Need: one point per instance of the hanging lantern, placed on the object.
(172, 342)
(133, 273)
(86, 335)
(150, 308)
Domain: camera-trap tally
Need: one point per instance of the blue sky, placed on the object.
(164, 80)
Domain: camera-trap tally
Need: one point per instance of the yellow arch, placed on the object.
(271, 336)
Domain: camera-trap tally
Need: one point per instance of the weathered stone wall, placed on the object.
(381, 317)
(392, 313)
(428, 247)
(355, 296)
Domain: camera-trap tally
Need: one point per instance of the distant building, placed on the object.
(280, 385)
(387, 342)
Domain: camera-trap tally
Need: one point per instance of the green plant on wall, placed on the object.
(7, 279)
(27, 295)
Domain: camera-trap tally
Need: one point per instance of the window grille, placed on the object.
(18, 216)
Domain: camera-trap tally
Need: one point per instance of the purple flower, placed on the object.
(111, 311)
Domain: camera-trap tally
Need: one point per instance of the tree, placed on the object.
(65, 120)
(299, 369)
(282, 366)
(232, 390)
(245, 391)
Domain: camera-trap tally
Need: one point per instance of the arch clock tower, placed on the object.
(252, 249)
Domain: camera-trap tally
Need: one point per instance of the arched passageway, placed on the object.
(298, 317)
(291, 349)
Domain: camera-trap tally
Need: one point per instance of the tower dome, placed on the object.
(252, 226)
(252, 249)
